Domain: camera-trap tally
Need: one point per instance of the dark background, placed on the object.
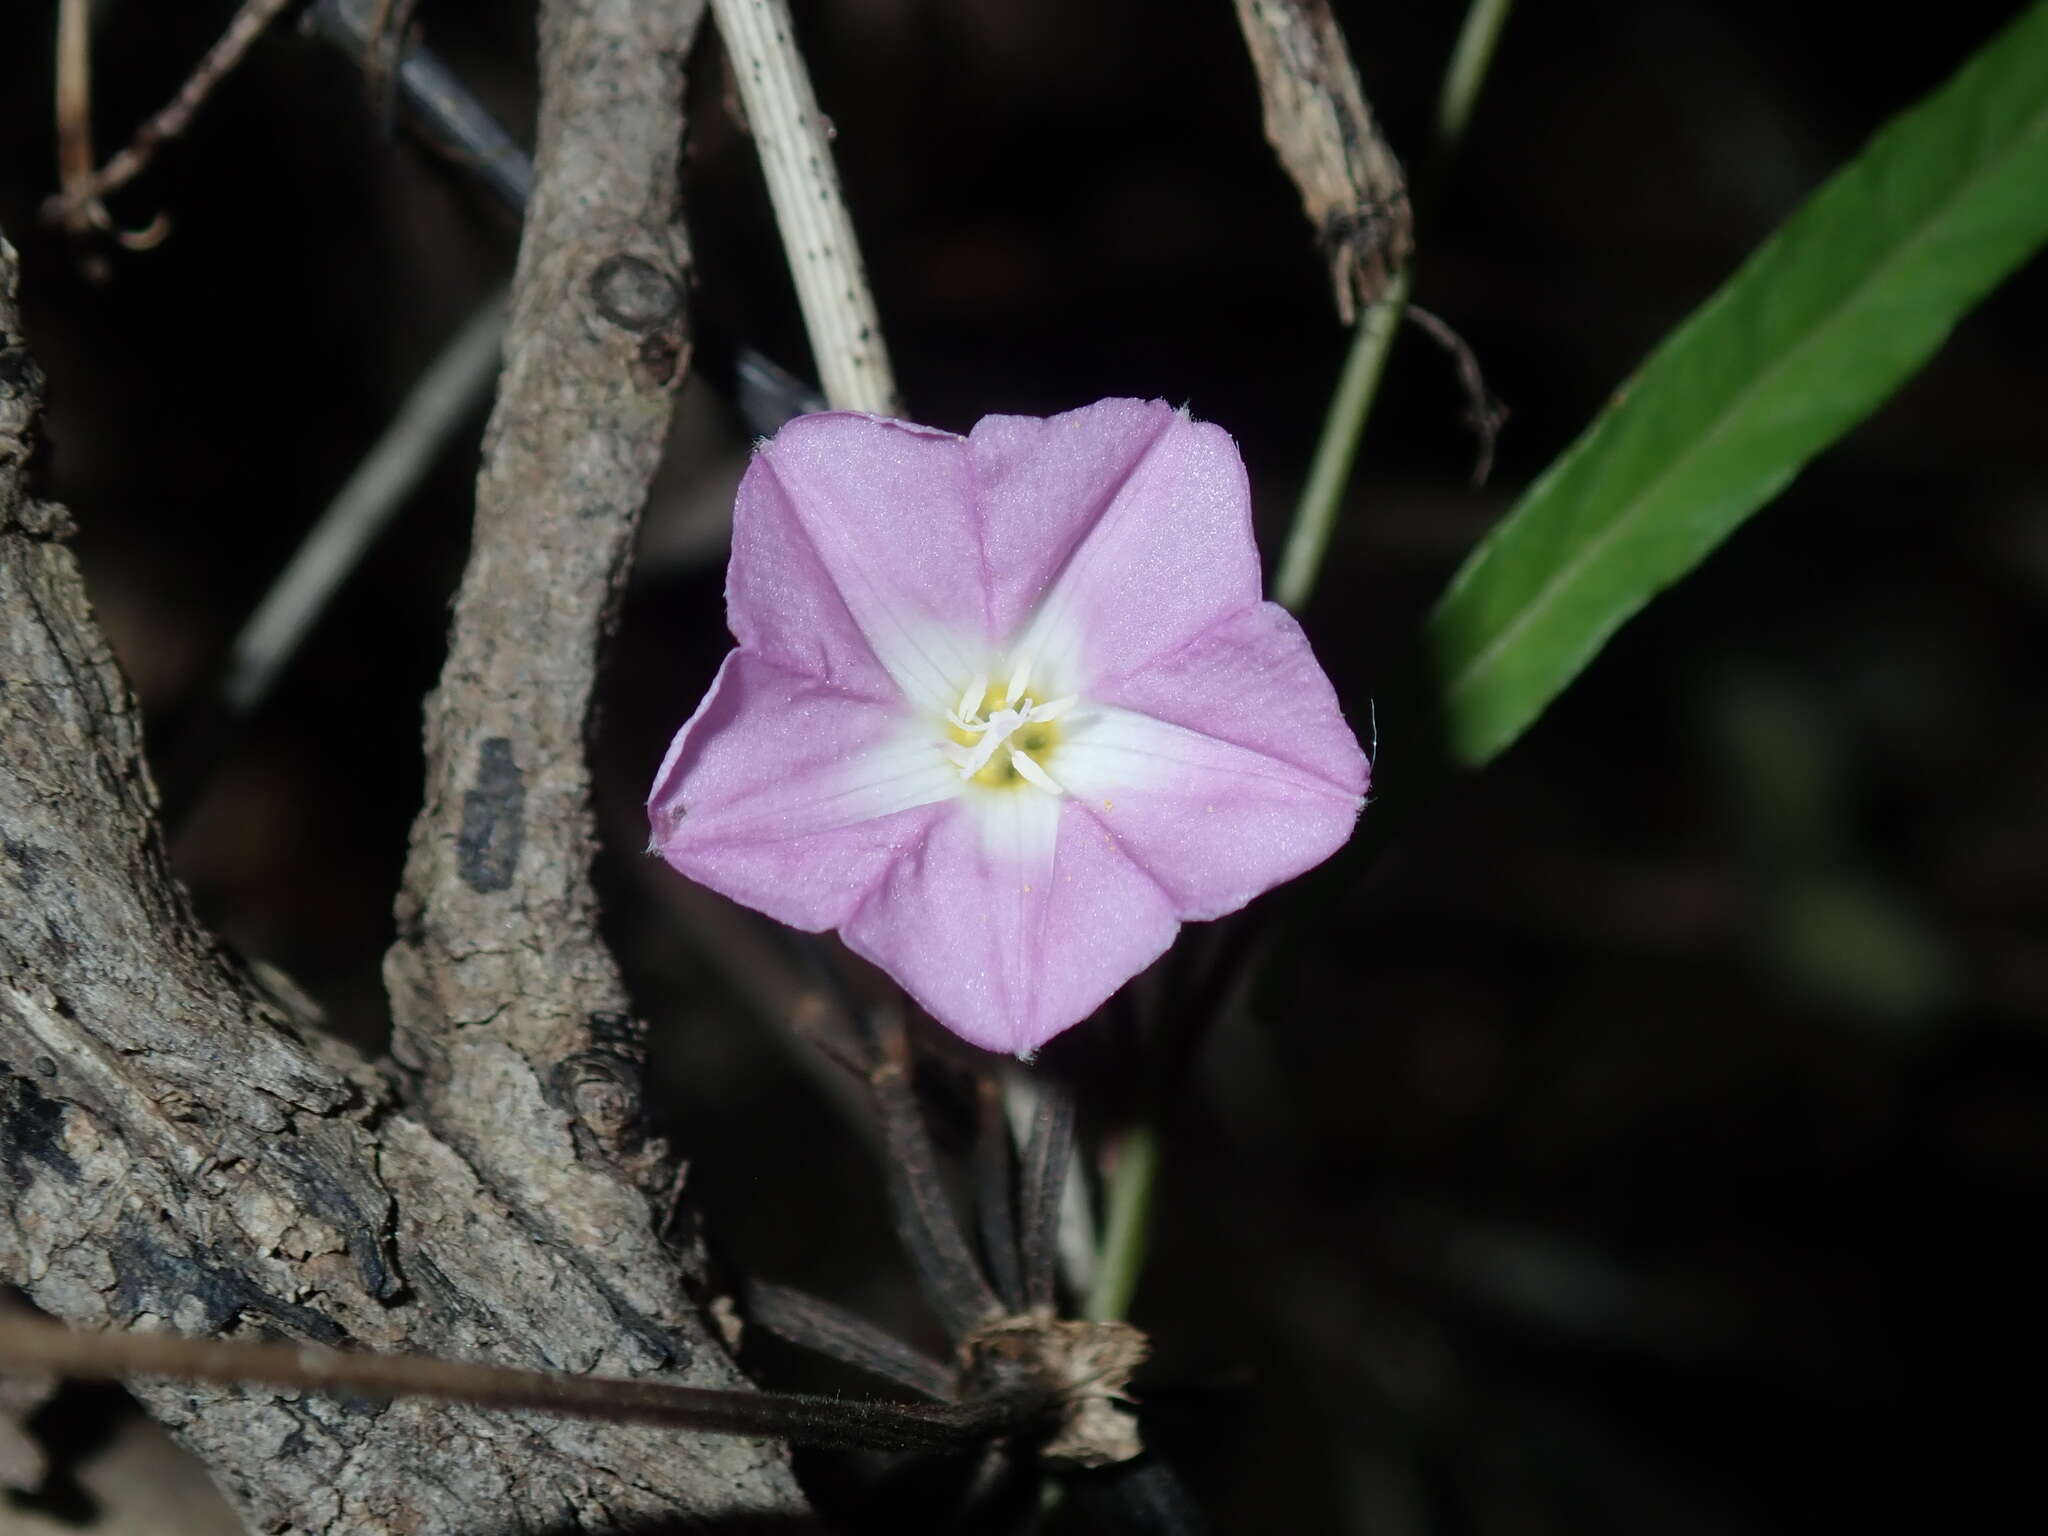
(1648, 1133)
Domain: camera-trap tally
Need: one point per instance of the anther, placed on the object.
(1032, 774)
(970, 701)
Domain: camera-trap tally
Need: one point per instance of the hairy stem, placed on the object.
(802, 1419)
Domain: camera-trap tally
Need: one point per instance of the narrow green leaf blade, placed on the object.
(1823, 322)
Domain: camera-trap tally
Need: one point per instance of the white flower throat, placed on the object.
(1004, 736)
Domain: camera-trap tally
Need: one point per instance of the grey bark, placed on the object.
(505, 1002)
(178, 1155)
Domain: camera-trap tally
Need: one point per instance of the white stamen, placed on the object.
(1032, 774)
(970, 701)
(994, 734)
(977, 757)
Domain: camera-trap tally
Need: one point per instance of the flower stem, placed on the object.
(1128, 1225)
(1470, 60)
(1330, 471)
(1133, 1182)
(1315, 515)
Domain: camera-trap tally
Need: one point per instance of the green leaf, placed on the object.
(1824, 321)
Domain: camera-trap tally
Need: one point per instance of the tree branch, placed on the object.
(177, 1157)
(505, 1001)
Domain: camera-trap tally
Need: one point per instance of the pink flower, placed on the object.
(1007, 709)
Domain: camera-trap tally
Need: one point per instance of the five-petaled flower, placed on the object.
(1006, 709)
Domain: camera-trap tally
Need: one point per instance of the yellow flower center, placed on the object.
(1003, 735)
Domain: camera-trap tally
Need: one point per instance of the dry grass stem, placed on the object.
(794, 142)
(80, 206)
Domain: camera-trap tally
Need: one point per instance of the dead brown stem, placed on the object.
(812, 1323)
(1320, 126)
(925, 1221)
(995, 1205)
(1047, 1158)
(80, 207)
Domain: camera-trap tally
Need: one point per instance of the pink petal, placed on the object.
(857, 557)
(1009, 932)
(1044, 482)
(877, 568)
(1250, 679)
(1263, 782)
(792, 797)
(1122, 530)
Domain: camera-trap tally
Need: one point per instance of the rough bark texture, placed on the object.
(178, 1156)
(1317, 119)
(506, 1003)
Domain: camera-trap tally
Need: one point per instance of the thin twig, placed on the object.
(812, 1323)
(803, 1419)
(817, 232)
(1047, 1157)
(925, 1222)
(451, 391)
(446, 114)
(447, 394)
(995, 1208)
(80, 205)
(74, 92)
(1484, 413)
(74, 135)
(389, 29)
